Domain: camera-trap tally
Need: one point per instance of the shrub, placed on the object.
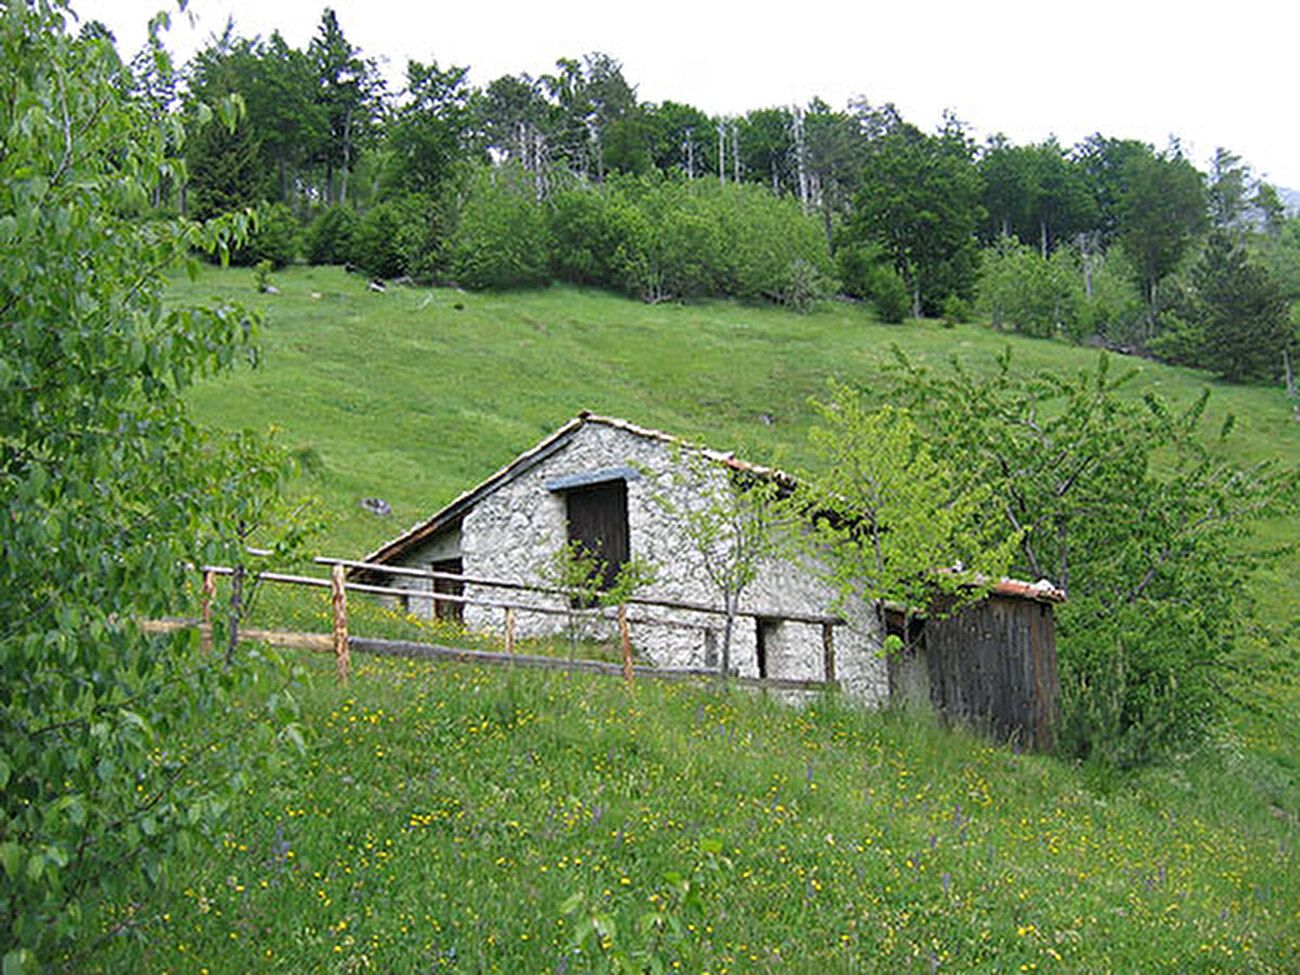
(804, 286)
(400, 236)
(262, 276)
(857, 263)
(1034, 295)
(591, 233)
(889, 295)
(1114, 313)
(956, 311)
(275, 238)
(503, 240)
(330, 238)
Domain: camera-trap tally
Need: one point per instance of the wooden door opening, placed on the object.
(597, 516)
(443, 609)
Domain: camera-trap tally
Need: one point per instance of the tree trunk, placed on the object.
(735, 152)
(1290, 376)
(1042, 237)
(727, 630)
(1086, 252)
(916, 299)
(722, 153)
(236, 596)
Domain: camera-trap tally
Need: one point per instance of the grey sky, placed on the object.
(1212, 74)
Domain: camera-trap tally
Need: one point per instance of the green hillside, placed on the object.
(445, 818)
(415, 394)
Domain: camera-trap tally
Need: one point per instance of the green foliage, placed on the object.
(1122, 504)
(584, 577)
(920, 201)
(427, 135)
(898, 523)
(346, 99)
(1036, 194)
(108, 769)
(956, 311)
(671, 239)
(502, 240)
(262, 276)
(329, 238)
(274, 238)
(1114, 313)
(1034, 295)
(1162, 212)
(224, 175)
(592, 231)
(401, 236)
(1241, 311)
(889, 295)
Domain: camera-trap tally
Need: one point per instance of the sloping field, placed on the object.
(446, 818)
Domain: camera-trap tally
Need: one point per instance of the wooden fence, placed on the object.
(340, 642)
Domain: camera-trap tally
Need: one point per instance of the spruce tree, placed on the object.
(1241, 310)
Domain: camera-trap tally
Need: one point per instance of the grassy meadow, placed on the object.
(451, 818)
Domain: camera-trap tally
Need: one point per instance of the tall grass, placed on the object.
(452, 818)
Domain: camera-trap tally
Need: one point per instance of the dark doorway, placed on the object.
(598, 522)
(442, 609)
(765, 630)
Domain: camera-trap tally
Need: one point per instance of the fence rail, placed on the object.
(341, 642)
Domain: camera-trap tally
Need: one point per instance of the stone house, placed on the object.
(602, 481)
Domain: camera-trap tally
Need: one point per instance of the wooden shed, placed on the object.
(993, 663)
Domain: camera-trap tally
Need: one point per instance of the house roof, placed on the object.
(1041, 591)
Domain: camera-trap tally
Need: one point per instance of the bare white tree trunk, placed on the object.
(800, 156)
(735, 152)
(722, 152)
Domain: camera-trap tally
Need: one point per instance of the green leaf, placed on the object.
(11, 854)
(20, 961)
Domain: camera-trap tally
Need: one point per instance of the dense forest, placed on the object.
(570, 177)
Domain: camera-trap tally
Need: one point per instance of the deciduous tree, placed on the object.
(898, 523)
(1122, 502)
(104, 767)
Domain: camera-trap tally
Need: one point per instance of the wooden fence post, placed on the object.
(626, 635)
(205, 614)
(510, 630)
(236, 607)
(342, 652)
(828, 652)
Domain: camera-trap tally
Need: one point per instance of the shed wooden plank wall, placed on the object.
(995, 662)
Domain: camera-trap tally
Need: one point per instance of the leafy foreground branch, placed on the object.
(107, 489)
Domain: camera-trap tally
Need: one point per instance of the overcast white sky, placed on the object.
(1213, 74)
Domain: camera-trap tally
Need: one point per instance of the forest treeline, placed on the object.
(571, 177)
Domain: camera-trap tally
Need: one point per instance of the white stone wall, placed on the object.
(509, 533)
